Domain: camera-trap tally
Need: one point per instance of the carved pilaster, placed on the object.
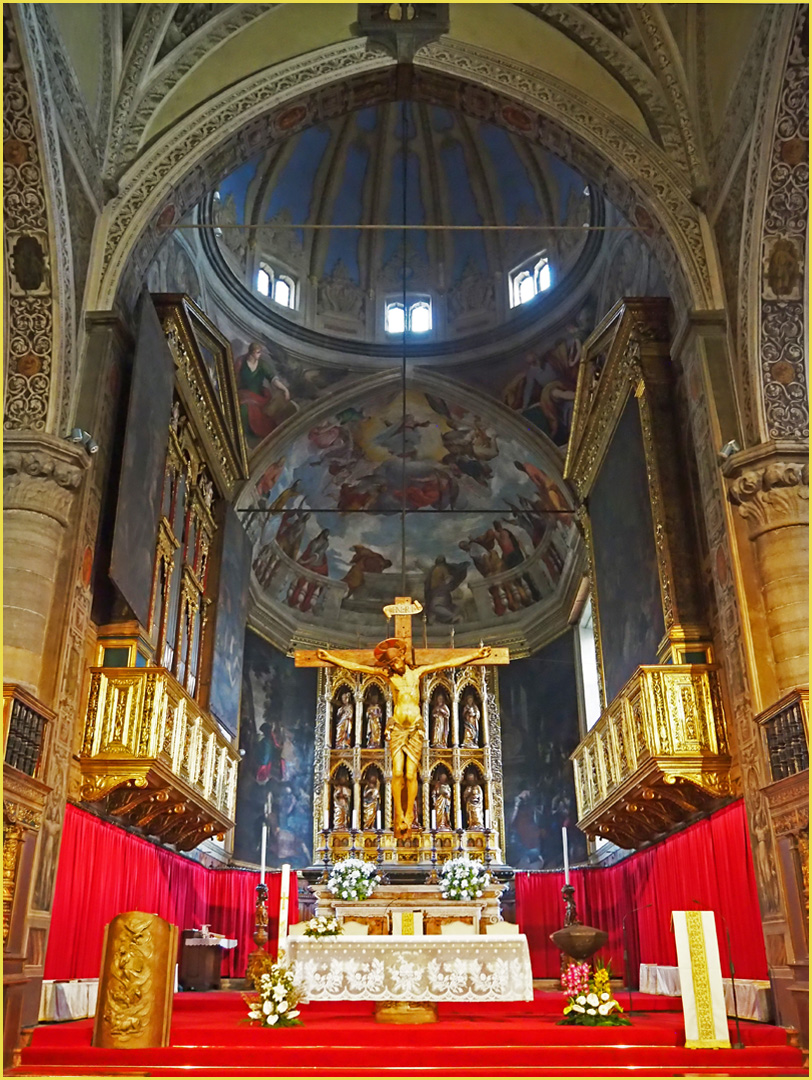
(769, 486)
(41, 478)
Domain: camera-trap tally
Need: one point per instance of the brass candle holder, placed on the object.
(259, 958)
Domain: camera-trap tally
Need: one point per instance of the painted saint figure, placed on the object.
(344, 715)
(374, 714)
(372, 800)
(470, 722)
(440, 719)
(441, 801)
(473, 799)
(405, 730)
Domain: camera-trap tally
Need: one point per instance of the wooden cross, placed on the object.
(402, 610)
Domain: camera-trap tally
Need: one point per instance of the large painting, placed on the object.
(331, 505)
(277, 730)
(142, 466)
(539, 705)
(229, 627)
(626, 578)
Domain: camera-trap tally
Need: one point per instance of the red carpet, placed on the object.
(342, 1039)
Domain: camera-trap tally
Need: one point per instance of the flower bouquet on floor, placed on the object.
(463, 878)
(323, 926)
(275, 1003)
(353, 879)
(589, 996)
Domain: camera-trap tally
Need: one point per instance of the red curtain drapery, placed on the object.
(104, 870)
(708, 865)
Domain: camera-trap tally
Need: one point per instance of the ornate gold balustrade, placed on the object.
(155, 759)
(657, 755)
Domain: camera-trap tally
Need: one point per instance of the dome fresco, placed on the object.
(402, 163)
(500, 533)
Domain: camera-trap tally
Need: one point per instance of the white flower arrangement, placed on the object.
(323, 926)
(278, 996)
(353, 879)
(463, 878)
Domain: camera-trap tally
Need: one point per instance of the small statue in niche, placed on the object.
(470, 721)
(374, 720)
(441, 802)
(473, 799)
(440, 719)
(342, 799)
(372, 800)
(344, 715)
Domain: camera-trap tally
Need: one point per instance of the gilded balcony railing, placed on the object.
(657, 754)
(156, 758)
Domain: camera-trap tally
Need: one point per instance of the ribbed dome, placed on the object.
(387, 164)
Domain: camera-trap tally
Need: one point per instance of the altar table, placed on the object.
(753, 996)
(431, 968)
(68, 1000)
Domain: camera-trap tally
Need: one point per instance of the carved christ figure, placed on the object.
(405, 730)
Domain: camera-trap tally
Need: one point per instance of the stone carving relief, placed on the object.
(30, 303)
(474, 292)
(340, 295)
(786, 408)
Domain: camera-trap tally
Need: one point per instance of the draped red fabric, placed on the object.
(708, 865)
(104, 870)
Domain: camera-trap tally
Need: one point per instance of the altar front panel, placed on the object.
(449, 968)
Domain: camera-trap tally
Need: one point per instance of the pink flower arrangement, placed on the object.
(575, 979)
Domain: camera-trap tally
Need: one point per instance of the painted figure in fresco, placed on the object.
(342, 799)
(402, 439)
(513, 556)
(374, 715)
(470, 721)
(304, 592)
(473, 799)
(364, 561)
(440, 719)
(441, 801)
(405, 729)
(550, 498)
(264, 399)
(441, 581)
(372, 799)
(268, 753)
(344, 716)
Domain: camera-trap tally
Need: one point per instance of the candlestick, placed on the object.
(566, 855)
(258, 958)
(425, 632)
(284, 906)
(264, 846)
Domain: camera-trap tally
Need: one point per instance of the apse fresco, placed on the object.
(275, 782)
(539, 707)
(626, 578)
(326, 526)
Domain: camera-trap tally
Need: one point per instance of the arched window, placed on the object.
(279, 287)
(530, 279)
(414, 317)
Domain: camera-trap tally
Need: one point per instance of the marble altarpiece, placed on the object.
(460, 798)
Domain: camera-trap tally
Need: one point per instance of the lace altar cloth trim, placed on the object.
(431, 968)
(224, 943)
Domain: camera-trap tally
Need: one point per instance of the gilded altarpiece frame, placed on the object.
(486, 759)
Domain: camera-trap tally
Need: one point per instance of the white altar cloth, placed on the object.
(71, 1000)
(753, 996)
(432, 968)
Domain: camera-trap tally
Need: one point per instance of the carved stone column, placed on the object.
(770, 488)
(41, 476)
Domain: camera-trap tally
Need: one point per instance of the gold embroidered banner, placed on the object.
(700, 972)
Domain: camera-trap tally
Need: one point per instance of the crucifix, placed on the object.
(402, 666)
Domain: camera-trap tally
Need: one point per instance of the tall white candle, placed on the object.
(264, 846)
(434, 819)
(566, 855)
(284, 906)
(487, 818)
(378, 821)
